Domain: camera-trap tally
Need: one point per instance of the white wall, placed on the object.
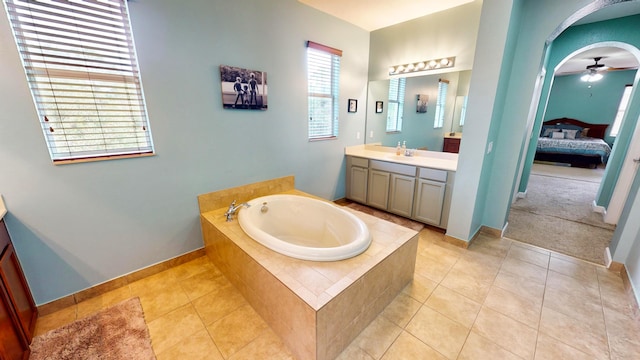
(75, 226)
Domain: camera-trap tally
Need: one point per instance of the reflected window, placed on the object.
(622, 108)
(443, 85)
(463, 110)
(396, 104)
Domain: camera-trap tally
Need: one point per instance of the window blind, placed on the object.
(622, 108)
(396, 104)
(81, 66)
(323, 76)
(443, 85)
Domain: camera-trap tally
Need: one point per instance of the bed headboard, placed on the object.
(595, 130)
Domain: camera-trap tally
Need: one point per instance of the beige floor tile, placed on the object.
(218, 304)
(483, 267)
(519, 285)
(408, 347)
(587, 309)
(203, 283)
(91, 306)
(491, 245)
(574, 268)
(467, 285)
(266, 346)
(524, 269)
(549, 348)
(574, 333)
(520, 252)
(577, 287)
(401, 309)
(506, 332)
(236, 330)
(525, 310)
(438, 331)
(376, 338)
(420, 288)
(55, 320)
(454, 306)
(193, 267)
(623, 333)
(198, 346)
(477, 347)
(153, 283)
(433, 268)
(353, 352)
(174, 328)
(161, 302)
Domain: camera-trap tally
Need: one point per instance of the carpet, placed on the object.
(556, 214)
(115, 333)
(399, 220)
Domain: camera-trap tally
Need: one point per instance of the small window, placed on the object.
(323, 76)
(443, 85)
(463, 110)
(622, 108)
(396, 104)
(83, 74)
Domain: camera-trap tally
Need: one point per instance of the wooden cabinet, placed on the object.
(429, 200)
(357, 179)
(18, 311)
(451, 145)
(378, 193)
(401, 194)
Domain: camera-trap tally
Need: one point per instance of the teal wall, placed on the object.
(79, 225)
(593, 103)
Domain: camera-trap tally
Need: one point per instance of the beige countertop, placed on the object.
(3, 209)
(421, 158)
(456, 135)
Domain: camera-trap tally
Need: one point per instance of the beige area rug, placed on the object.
(557, 214)
(115, 333)
(399, 220)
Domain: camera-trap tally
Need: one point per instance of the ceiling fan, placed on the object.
(593, 71)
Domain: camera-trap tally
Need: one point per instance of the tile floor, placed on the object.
(499, 299)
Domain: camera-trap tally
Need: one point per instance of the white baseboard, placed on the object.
(607, 257)
(597, 208)
(522, 194)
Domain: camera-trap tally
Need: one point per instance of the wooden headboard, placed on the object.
(595, 130)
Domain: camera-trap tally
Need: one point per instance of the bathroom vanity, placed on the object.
(17, 308)
(416, 187)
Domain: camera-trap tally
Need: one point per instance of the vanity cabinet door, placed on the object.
(358, 184)
(13, 346)
(378, 192)
(16, 287)
(401, 194)
(429, 200)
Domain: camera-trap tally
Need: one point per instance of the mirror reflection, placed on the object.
(402, 116)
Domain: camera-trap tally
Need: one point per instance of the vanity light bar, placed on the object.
(442, 63)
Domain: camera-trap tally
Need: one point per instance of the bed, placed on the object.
(573, 142)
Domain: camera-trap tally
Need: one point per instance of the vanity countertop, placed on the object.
(3, 209)
(454, 135)
(421, 158)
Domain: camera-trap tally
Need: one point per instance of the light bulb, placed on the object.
(444, 62)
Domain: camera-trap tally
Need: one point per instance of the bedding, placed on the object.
(579, 146)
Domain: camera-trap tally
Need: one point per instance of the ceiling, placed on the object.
(371, 15)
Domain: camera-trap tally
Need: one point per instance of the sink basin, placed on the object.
(400, 157)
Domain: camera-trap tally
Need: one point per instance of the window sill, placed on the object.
(100, 158)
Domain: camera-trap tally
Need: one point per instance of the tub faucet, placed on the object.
(233, 208)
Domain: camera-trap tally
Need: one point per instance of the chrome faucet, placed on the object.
(233, 208)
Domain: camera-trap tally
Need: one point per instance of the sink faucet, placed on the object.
(233, 208)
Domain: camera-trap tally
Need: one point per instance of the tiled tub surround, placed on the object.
(317, 308)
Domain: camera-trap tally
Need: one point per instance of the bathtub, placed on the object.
(304, 228)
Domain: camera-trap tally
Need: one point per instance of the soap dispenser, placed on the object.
(398, 149)
(404, 147)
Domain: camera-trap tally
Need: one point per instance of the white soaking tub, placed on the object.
(304, 228)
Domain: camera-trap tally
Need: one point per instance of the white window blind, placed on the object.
(81, 66)
(396, 104)
(323, 75)
(622, 108)
(443, 85)
(463, 110)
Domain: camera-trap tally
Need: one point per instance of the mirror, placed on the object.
(417, 127)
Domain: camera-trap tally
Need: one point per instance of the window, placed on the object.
(83, 74)
(463, 110)
(323, 76)
(440, 103)
(396, 104)
(622, 108)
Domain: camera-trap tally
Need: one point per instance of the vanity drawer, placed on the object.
(393, 167)
(361, 162)
(433, 174)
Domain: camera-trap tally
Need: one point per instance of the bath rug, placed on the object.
(116, 333)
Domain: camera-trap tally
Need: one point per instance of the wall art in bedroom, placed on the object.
(243, 88)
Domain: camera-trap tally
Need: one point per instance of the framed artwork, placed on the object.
(243, 89)
(353, 105)
(422, 102)
(379, 107)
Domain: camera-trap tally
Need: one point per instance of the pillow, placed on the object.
(569, 134)
(557, 135)
(585, 132)
(547, 131)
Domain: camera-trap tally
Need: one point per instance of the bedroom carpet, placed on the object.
(556, 214)
(115, 333)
